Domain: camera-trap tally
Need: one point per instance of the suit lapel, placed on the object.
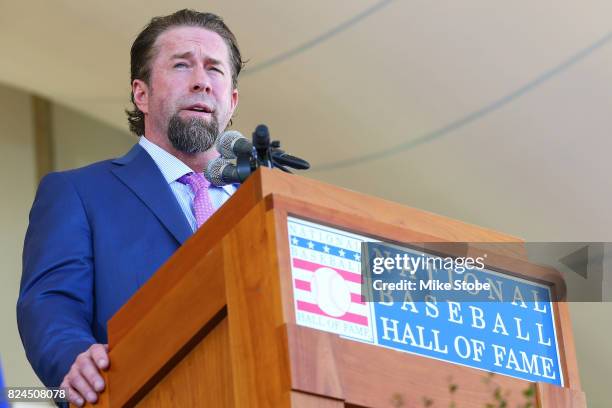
(139, 173)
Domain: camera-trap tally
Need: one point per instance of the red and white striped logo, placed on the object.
(326, 272)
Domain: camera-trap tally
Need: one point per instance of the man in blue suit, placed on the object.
(98, 233)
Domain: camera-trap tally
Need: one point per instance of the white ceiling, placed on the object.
(497, 113)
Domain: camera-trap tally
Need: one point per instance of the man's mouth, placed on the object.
(201, 108)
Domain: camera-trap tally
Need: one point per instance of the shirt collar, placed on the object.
(171, 167)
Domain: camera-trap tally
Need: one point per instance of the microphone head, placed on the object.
(226, 142)
(214, 171)
(261, 137)
(284, 159)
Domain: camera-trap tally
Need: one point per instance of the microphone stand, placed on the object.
(265, 153)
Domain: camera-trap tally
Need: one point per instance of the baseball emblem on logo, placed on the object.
(331, 292)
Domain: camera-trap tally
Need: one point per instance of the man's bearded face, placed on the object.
(191, 95)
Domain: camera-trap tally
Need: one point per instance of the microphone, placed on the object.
(248, 156)
(232, 144)
(261, 137)
(221, 172)
(261, 143)
(284, 159)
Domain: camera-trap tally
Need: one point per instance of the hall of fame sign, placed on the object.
(510, 337)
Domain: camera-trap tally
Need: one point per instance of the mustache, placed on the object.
(197, 99)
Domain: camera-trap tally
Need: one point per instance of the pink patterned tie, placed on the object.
(202, 207)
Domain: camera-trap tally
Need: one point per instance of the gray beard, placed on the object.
(192, 135)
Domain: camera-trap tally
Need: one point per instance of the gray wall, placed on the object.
(81, 140)
(17, 183)
(592, 324)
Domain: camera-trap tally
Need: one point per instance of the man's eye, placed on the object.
(180, 65)
(217, 69)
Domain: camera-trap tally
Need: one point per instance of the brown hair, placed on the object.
(143, 51)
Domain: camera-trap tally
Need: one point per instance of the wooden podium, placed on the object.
(216, 325)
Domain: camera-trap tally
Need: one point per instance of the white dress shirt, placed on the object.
(172, 169)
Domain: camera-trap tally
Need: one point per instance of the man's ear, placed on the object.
(141, 95)
(234, 101)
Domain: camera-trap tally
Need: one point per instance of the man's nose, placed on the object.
(201, 81)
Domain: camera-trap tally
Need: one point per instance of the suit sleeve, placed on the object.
(55, 305)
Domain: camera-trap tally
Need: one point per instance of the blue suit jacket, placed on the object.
(96, 235)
